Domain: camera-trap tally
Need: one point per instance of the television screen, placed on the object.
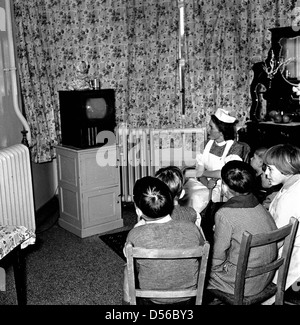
(84, 114)
(96, 108)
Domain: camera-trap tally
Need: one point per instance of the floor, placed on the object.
(63, 269)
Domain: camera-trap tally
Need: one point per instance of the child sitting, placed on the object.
(173, 177)
(265, 191)
(241, 212)
(155, 201)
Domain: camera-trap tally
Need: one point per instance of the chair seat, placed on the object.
(268, 292)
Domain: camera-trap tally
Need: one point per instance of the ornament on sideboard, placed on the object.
(81, 80)
(261, 102)
(272, 68)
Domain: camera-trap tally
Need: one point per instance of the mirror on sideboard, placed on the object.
(290, 54)
(280, 76)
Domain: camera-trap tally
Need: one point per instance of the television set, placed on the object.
(84, 114)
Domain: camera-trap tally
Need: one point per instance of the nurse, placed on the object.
(221, 148)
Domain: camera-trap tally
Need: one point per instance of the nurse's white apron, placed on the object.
(197, 193)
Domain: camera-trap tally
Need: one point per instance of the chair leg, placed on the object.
(292, 294)
(20, 276)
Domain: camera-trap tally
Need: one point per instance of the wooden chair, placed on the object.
(132, 253)
(286, 234)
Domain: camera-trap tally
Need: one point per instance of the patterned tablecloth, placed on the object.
(12, 236)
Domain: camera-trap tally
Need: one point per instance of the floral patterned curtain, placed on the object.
(132, 46)
(224, 40)
(152, 99)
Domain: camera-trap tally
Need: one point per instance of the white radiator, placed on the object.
(16, 191)
(143, 151)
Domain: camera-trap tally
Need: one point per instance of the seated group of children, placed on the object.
(164, 223)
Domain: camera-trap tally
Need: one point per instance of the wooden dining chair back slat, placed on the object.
(285, 235)
(200, 253)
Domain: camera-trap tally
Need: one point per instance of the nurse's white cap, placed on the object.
(223, 115)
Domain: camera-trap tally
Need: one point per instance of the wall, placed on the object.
(10, 125)
(44, 182)
(44, 175)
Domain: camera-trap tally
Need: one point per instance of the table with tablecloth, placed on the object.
(12, 240)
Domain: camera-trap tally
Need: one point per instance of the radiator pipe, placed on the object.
(13, 72)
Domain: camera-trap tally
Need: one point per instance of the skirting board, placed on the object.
(95, 230)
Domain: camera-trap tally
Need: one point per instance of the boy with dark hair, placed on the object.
(155, 201)
(239, 213)
(173, 177)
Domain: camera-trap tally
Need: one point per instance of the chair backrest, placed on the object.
(246, 150)
(199, 252)
(284, 234)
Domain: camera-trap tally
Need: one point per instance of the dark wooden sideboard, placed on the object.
(267, 134)
(273, 91)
